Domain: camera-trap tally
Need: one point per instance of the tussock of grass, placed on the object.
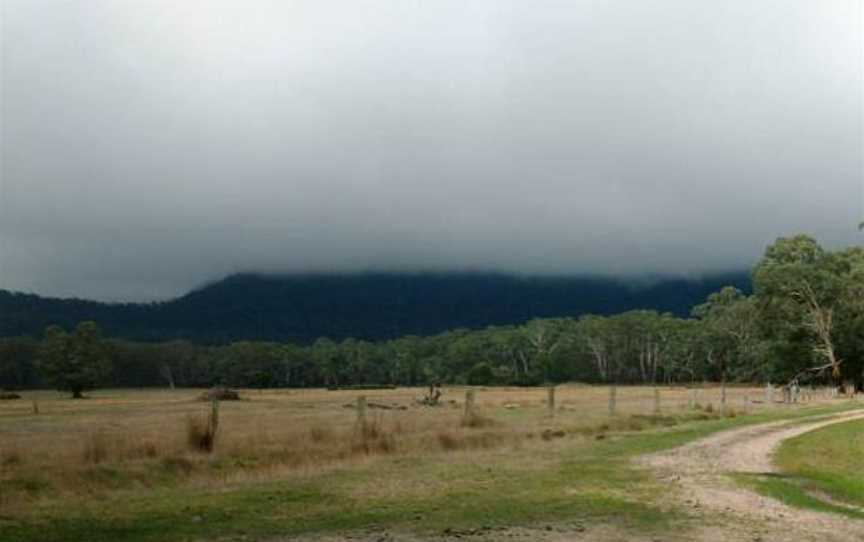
(177, 465)
(201, 433)
(639, 422)
(10, 457)
(95, 448)
(448, 441)
(551, 434)
(374, 438)
(148, 449)
(320, 434)
(476, 420)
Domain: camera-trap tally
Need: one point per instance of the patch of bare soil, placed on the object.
(698, 473)
(559, 532)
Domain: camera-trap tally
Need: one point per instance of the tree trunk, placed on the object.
(76, 393)
(169, 376)
(642, 365)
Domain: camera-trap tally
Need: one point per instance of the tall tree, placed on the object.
(75, 362)
(802, 288)
(731, 333)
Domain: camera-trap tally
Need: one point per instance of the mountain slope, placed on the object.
(373, 306)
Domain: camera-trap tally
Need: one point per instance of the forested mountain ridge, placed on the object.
(369, 306)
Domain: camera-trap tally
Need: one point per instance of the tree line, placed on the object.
(804, 321)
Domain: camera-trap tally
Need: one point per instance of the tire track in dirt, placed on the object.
(699, 472)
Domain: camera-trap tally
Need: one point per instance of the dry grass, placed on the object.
(10, 457)
(95, 448)
(374, 437)
(200, 435)
(157, 436)
(474, 419)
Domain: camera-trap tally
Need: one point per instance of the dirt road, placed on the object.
(699, 473)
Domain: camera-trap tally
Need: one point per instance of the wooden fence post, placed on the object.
(361, 411)
(469, 405)
(613, 391)
(656, 400)
(214, 416)
(550, 400)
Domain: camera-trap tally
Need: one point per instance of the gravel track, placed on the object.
(699, 473)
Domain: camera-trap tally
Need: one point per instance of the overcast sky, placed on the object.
(150, 146)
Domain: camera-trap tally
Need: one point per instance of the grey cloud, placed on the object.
(150, 146)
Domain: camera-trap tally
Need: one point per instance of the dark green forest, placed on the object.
(371, 306)
(802, 320)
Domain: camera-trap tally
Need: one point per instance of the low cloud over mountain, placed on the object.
(150, 146)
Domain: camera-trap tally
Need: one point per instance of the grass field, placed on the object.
(118, 466)
(821, 470)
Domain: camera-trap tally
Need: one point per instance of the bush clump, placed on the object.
(220, 393)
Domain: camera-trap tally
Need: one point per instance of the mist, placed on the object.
(151, 146)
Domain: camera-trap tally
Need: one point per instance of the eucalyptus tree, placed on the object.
(250, 364)
(16, 362)
(597, 335)
(298, 367)
(683, 360)
(730, 333)
(327, 358)
(542, 338)
(405, 356)
(76, 361)
(803, 289)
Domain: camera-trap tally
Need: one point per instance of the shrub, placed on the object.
(219, 394)
(201, 430)
(199, 434)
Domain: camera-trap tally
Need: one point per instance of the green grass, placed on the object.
(820, 470)
(793, 491)
(577, 478)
